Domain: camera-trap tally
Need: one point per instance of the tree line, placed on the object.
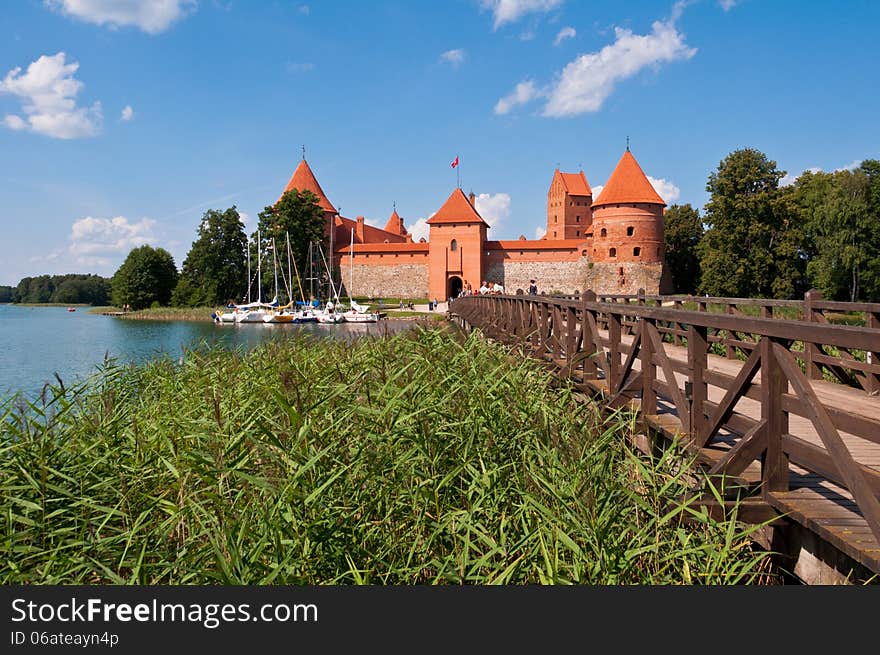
(74, 288)
(757, 239)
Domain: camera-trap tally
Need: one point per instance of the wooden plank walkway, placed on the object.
(813, 500)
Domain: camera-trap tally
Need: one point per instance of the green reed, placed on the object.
(421, 458)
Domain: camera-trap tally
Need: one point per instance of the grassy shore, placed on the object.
(422, 458)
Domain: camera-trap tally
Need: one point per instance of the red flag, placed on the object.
(455, 163)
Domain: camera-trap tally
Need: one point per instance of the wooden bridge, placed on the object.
(776, 398)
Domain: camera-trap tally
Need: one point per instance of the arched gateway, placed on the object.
(454, 287)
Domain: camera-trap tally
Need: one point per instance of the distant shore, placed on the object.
(204, 314)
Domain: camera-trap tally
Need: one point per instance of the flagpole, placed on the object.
(458, 172)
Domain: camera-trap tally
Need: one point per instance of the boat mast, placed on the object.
(249, 281)
(259, 270)
(275, 268)
(351, 266)
(289, 271)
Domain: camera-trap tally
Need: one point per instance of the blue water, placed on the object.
(38, 342)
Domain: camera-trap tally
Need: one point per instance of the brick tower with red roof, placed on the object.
(628, 217)
(569, 201)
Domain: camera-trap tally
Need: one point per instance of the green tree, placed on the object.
(843, 221)
(297, 214)
(751, 247)
(215, 268)
(147, 276)
(5, 294)
(683, 230)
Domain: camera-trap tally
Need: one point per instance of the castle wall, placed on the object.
(623, 278)
(393, 280)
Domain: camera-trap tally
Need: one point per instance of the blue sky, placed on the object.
(122, 121)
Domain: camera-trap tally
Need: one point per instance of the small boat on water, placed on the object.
(71, 309)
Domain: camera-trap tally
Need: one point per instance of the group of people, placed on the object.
(494, 289)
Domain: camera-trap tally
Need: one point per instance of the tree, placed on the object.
(843, 220)
(752, 245)
(298, 214)
(683, 230)
(5, 294)
(147, 276)
(215, 268)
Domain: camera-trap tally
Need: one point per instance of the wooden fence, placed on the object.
(653, 353)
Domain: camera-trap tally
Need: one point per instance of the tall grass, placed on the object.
(420, 458)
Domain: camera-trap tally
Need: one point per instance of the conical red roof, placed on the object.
(395, 224)
(457, 209)
(628, 184)
(304, 180)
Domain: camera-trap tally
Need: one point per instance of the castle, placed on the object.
(613, 244)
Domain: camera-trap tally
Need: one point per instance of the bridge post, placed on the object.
(648, 369)
(811, 349)
(698, 352)
(774, 384)
(588, 347)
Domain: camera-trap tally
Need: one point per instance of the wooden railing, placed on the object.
(820, 361)
(618, 346)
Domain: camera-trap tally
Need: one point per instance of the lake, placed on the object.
(38, 342)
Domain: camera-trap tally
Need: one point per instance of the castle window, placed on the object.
(603, 232)
(577, 233)
(620, 271)
(637, 251)
(554, 234)
(630, 231)
(453, 246)
(555, 218)
(583, 253)
(612, 252)
(577, 219)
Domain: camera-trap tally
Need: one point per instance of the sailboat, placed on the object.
(254, 312)
(331, 312)
(357, 313)
(232, 310)
(276, 314)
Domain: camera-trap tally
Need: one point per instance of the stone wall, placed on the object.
(391, 281)
(563, 277)
(607, 278)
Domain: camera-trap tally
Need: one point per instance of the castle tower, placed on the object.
(569, 200)
(395, 224)
(456, 238)
(628, 218)
(304, 180)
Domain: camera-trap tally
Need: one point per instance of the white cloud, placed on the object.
(454, 57)
(299, 66)
(585, 83)
(665, 189)
(151, 16)
(790, 178)
(127, 113)
(521, 94)
(597, 190)
(540, 232)
(245, 218)
(48, 93)
(509, 11)
(564, 33)
(849, 167)
(106, 236)
(14, 122)
(727, 5)
(419, 229)
(493, 208)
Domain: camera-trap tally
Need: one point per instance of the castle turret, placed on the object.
(568, 206)
(628, 217)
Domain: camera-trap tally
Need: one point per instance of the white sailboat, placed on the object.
(254, 312)
(357, 313)
(331, 313)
